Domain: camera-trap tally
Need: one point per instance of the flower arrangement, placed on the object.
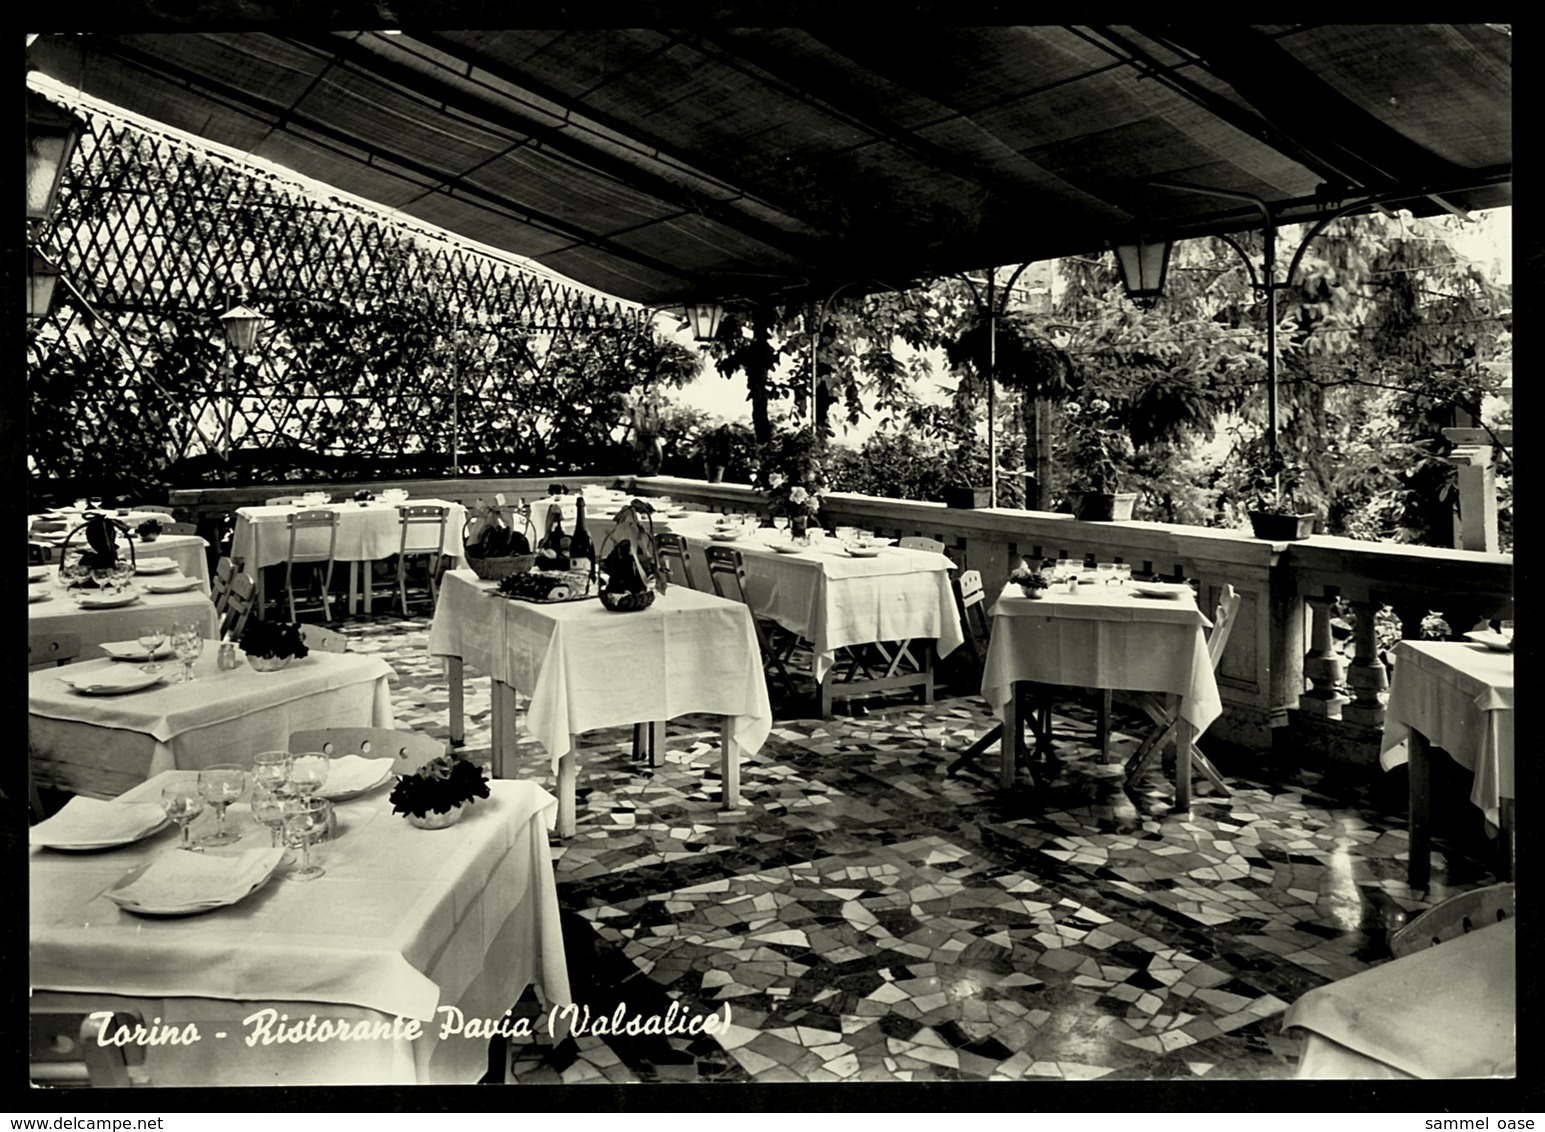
(439, 786)
(363, 496)
(792, 477)
(273, 640)
(1097, 444)
(1031, 579)
(149, 530)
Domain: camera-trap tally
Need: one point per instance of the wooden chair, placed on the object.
(1454, 917)
(179, 528)
(220, 584)
(45, 650)
(282, 501)
(239, 603)
(1164, 717)
(323, 640)
(423, 536)
(673, 558)
(727, 574)
(918, 542)
(304, 529)
(408, 750)
(65, 1051)
(159, 508)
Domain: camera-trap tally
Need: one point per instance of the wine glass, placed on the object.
(307, 773)
(1123, 574)
(151, 637)
(96, 502)
(268, 809)
(1064, 569)
(188, 643)
(182, 803)
(305, 821)
(1107, 572)
(781, 524)
(221, 785)
(271, 769)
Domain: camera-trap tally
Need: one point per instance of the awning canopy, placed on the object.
(661, 165)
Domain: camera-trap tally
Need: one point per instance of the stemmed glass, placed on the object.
(182, 803)
(96, 502)
(268, 809)
(151, 637)
(221, 785)
(1123, 574)
(188, 643)
(308, 773)
(781, 524)
(271, 769)
(305, 821)
(1107, 572)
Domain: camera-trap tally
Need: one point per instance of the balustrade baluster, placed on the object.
(1366, 677)
(1323, 666)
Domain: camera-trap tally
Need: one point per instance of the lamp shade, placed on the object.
(1143, 264)
(51, 136)
(241, 328)
(41, 277)
(704, 318)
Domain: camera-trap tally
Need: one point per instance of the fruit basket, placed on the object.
(497, 538)
(497, 569)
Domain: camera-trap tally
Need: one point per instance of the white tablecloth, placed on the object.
(104, 745)
(404, 922)
(1460, 696)
(1447, 1011)
(365, 534)
(190, 552)
(832, 599)
(586, 668)
(60, 614)
(1101, 638)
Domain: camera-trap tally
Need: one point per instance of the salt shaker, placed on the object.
(227, 656)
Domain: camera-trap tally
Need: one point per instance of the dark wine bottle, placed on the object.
(553, 550)
(581, 546)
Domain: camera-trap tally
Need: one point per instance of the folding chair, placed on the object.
(281, 501)
(44, 649)
(673, 557)
(323, 640)
(159, 508)
(1164, 714)
(220, 584)
(239, 602)
(179, 528)
(407, 748)
(1454, 917)
(65, 1050)
(423, 536)
(727, 573)
(305, 529)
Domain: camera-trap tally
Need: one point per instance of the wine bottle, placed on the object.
(553, 550)
(581, 546)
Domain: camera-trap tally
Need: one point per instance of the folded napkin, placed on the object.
(150, 565)
(348, 773)
(90, 821)
(170, 585)
(179, 880)
(38, 573)
(133, 650)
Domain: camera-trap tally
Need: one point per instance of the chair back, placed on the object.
(281, 501)
(39, 554)
(673, 557)
(239, 601)
(726, 572)
(179, 528)
(1453, 917)
(220, 584)
(423, 528)
(52, 649)
(408, 750)
(307, 540)
(323, 640)
(919, 542)
(66, 1050)
(1222, 625)
(159, 508)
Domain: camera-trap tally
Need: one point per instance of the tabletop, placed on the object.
(57, 612)
(400, 924)
(365, 533)
(585, 667)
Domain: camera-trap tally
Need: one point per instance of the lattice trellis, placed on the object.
(386, 347)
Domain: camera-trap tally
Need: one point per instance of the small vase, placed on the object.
(268, 663)
(1033, 592)
(433, 820)
(799, 528)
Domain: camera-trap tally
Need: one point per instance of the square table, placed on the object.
(1457, 696)
(190, 552)
(1103, 637)
(101, 746)
(58, 613)
(406, 924)
(1447, 1011)
(584, 668)
(835, 601)
(365, 534)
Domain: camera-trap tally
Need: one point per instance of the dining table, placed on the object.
(840, 601)
(1103, 637)
(100, 745)
(367, 532)
(52, 609)
(415, 941)
(1444, 1012)
(584, 667)
(1456, 696)
(189, 552)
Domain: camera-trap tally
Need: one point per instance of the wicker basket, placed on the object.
(497, 569)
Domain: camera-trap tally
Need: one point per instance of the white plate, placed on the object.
(170, 586)
(107, 602)
(38, 573)
(38, 595)
(261, 866)
(864, 551)
(724, 536)
(349, 776)
(1161, 589)
(78, 826)
(1496, 642)
(788, 548)
(133, 650)
(677, 514)
(155, 566)
(111, 683)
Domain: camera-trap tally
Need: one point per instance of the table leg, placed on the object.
(1102, 725)
(354, 589)
(566, 783)
(927, 666)
(1009, 747)
(656, 741)
(1419, 764)
(502, 720)
(825, 690)
(729, 763)
(1505, 837)
(1185, 736)
(260, 596)
(453, 681)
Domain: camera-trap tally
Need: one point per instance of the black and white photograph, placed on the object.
(859, 564)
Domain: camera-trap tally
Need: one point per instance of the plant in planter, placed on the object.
(1033, 581)
(270, 645)
(149, 530)
(363, 496)
(793, 479)
(436, 794)
(1272, 484)
(1096, 448)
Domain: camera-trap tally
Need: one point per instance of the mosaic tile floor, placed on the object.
(865, 917)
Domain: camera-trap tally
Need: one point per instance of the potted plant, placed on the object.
(149, 530)
(1275, 514)
(364, 496)
(793, 479)
(716, 445)
(1033, 581)
(439, 791)
(271, 645)
(1096, 448)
